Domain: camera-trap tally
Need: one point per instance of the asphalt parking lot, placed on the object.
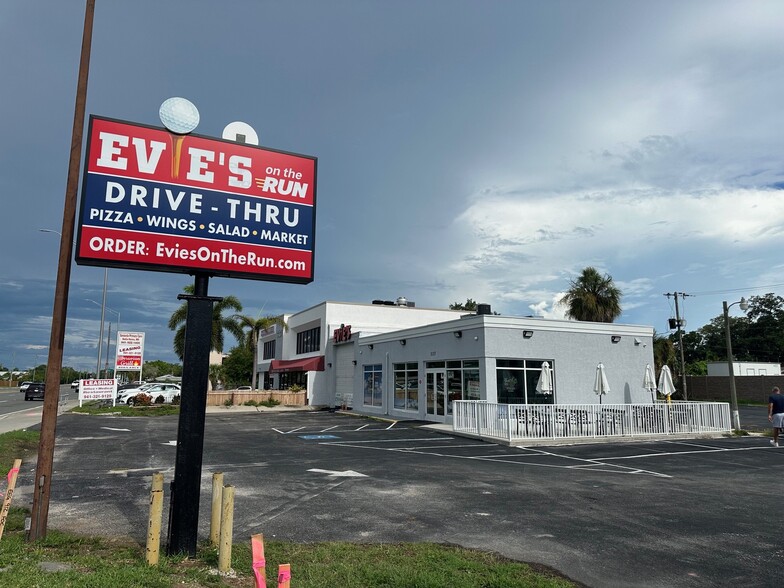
(702, 512)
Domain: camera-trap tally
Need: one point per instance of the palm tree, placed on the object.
(663, 352)
(593, 297)
(220, 323)
(251, 337)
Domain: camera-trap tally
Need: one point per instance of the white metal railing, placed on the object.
(513, 422)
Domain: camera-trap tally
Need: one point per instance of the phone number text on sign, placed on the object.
(155, 200)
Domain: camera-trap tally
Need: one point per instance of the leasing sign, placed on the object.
(130, 351)
(155, 200)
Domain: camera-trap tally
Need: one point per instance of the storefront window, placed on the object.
(309, 341)
(289, 379)
(471, 384)
(269, 350)
(516, 381)
(372, 385)
(406, 386)
(462, 379)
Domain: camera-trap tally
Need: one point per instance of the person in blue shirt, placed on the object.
(776, 414)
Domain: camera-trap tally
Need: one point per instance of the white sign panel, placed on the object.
(97, 390)
(130, 351)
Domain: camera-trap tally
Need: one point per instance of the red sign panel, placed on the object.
(154, 200)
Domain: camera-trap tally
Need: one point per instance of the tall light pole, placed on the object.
(103, 315)
(730, 364)
(103, 307)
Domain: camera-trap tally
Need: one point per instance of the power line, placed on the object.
(745, 289)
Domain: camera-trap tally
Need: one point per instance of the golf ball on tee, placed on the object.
(179, 115)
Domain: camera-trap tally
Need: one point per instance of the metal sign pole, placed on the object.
(184, 517)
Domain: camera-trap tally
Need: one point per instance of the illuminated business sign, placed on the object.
(342, 334)
(155, 200)
(130, 351)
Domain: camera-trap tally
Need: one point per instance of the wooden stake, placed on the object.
(226, 529)
(259, 564)
(156, 517)
(284, 576)
(9, 494)
(215, 517)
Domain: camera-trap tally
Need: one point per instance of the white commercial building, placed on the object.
(404, 362)
(744, 368)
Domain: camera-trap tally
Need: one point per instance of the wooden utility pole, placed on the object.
(679, 323)
(43, 468)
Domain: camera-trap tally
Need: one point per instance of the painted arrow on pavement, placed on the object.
(334, 474)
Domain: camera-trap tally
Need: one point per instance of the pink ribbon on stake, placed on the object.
(11, 473)
(284, 575)
(259, 563)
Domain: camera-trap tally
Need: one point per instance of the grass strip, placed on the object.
(91, 562)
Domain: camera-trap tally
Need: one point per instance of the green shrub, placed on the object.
(160, 399)
(229, 402)
(296, 388)
(176, 399)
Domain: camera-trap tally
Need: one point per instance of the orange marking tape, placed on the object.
(259, 565)
(9, 494)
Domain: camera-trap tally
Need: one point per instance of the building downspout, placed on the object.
(390, 387)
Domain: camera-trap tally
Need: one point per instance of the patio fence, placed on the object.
(519, 422)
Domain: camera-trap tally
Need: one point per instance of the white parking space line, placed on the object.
(443, 446)
(691, 444)
(288, 432)
(332, 429)
(392, 425)
(585, 464)
(669, 453)
(591, 463)
(352, 443)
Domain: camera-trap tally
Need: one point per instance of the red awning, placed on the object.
(311, 364)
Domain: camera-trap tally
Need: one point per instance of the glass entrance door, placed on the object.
(435, 390)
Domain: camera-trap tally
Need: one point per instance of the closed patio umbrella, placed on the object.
(545, 383)
(649, 381)
(666, 387)
(600, 385)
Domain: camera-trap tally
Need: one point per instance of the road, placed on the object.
(17, 414)
(698, 513)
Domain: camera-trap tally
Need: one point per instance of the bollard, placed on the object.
(226, 529)
(156, 517)
(215, 517)
(259, 564)
(9, 494)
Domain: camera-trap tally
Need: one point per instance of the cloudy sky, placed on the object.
(479, 149)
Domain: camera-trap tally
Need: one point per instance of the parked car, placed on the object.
(23, 386)
(75, 385)
(129, 390)
(35, 391)
(168, 391)
(244, 389)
